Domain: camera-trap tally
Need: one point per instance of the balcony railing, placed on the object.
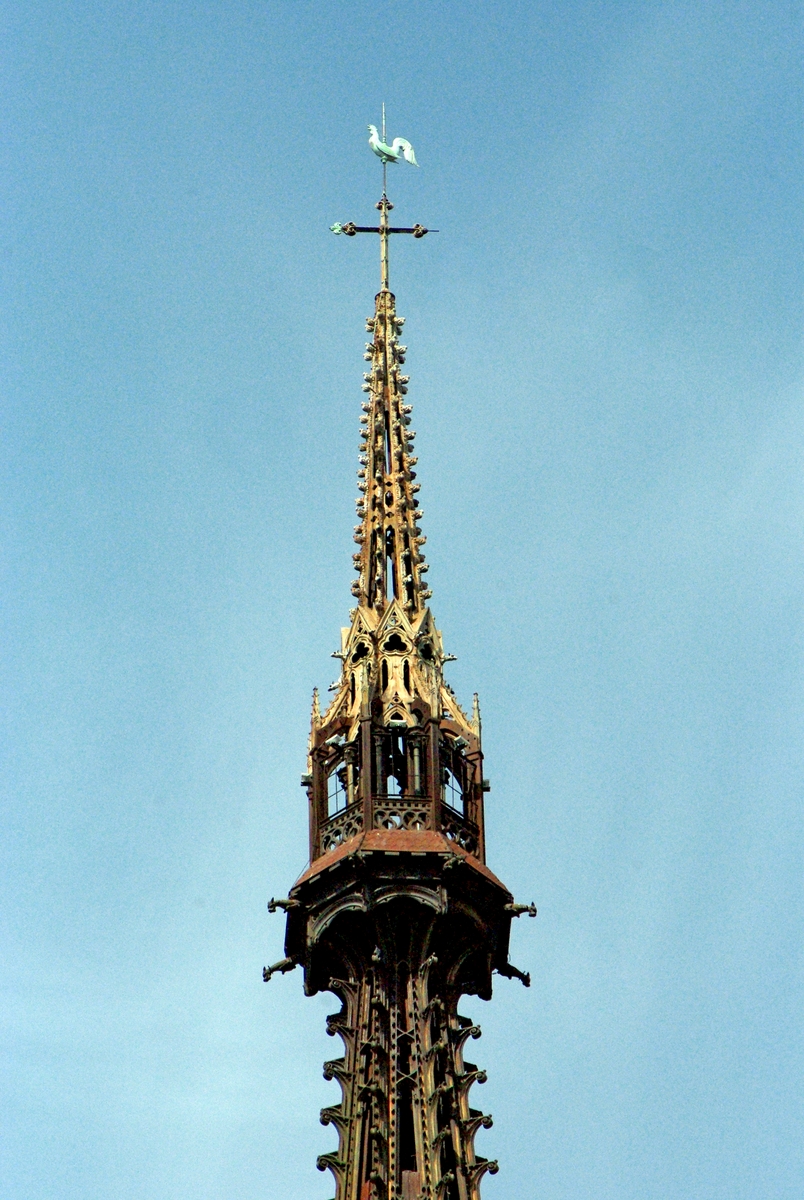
(411, 813)
(401, 812)
(456, 827)
(341, 826)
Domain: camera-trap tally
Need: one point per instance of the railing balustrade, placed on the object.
(411, 813)
(456, 827)
(342, 826)
(401, 812)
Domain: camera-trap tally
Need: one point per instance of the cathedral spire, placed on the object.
(397, 914)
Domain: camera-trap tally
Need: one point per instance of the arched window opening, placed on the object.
(451, 790)
(390, 563)
(406, 675)
(384, 675)
(337, 790)
(395, 766)
(395, 644)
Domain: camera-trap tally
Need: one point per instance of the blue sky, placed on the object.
(605, 352)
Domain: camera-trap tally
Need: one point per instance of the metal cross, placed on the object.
(383, 229)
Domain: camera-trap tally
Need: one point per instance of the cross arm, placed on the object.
(350, 229)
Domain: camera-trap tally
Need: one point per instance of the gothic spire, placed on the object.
(397, 914)
(390, 562)
(391, 684)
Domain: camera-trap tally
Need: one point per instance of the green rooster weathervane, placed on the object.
(399, 149)
(400, 146)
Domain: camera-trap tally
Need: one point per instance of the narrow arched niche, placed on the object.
(360, 652)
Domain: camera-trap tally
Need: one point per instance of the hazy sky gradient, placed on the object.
(605, 359)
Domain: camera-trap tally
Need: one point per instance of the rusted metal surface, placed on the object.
(398, 842)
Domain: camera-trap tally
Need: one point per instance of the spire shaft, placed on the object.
(390, 562)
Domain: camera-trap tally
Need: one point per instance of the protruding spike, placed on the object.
(280, 968)
(316, 714)
(479, 1168)
(509, 971)
(476, 715)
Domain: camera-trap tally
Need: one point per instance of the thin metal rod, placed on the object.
(384, 217)
(384, 240)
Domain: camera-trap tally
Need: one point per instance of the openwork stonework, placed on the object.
(397, 914)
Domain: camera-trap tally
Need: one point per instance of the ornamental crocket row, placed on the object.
(397, 914)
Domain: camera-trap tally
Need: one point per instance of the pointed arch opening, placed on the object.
(337, 789)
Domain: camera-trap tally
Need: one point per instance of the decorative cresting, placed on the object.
(397, 914)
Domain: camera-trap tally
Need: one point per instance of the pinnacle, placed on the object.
(389, 563)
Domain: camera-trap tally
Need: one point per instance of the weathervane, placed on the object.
(399, 149)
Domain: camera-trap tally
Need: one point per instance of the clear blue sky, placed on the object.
(606, 362)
